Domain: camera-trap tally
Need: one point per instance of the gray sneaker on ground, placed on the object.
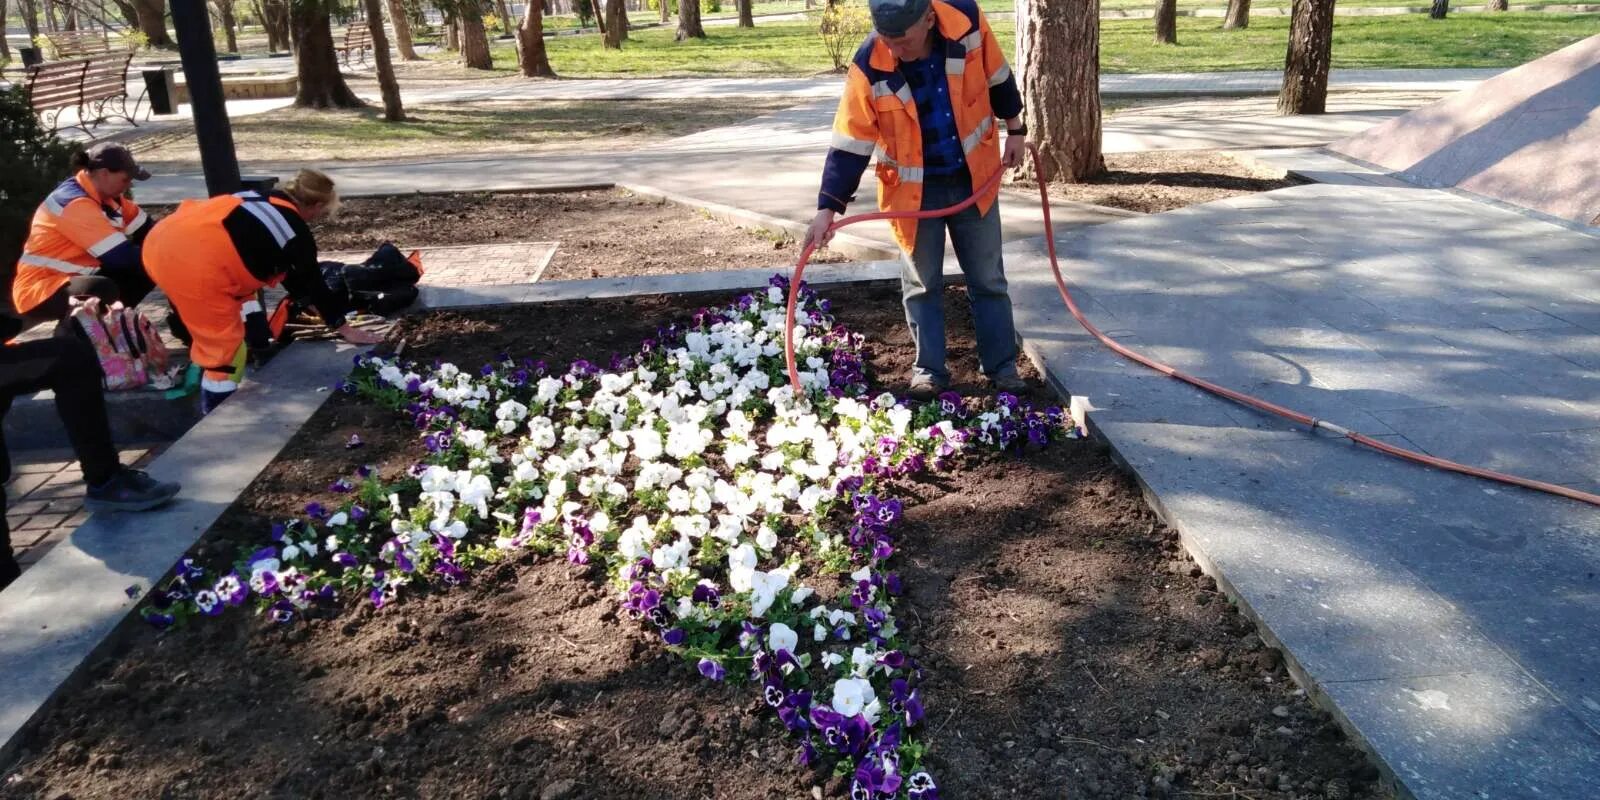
(129, 490)
(1012, 383)
(924, 387)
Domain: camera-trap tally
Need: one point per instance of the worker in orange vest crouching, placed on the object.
(210, 257)
(84, 240)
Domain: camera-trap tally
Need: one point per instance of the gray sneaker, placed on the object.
(129, 490)
(924, 388)
(1011, 382)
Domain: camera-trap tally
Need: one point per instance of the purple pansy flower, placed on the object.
(712, 669)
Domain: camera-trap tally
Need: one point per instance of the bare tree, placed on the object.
(153, 22)
(1238, 15)
(30, 17)
(1166, 21)
(392, 110)
(1305, 67)
(229, 24)
(1440, 9)
(316, 63)
(402, 31)
(474, 39)
(1495, 5)
(689, 20)
(1059, 56)
(616, 28)
(747, 14)
(531, 55)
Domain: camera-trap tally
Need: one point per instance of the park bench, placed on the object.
(78, 44)
(96, 87)
(357, 40)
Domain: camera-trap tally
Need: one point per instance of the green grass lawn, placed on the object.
(793, 48)
(1477, 40)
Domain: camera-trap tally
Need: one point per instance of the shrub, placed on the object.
(34, 162)
(842, 28)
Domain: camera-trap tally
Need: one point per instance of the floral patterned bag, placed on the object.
(130, 352)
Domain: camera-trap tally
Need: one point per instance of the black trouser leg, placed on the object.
(69, 368)
(57, 306)
(132, 282)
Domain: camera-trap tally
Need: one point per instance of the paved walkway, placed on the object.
(1112, 87)
(1454, 623)
(44, 499)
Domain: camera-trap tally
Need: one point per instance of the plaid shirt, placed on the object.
(941, 141)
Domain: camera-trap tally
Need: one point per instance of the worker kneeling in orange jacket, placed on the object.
(210, 257)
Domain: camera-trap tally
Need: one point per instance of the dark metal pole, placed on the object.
(192, 22)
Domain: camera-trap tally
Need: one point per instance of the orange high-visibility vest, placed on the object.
(71, 230)
(877, 115)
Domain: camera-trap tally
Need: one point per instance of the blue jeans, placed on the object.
(976, 238)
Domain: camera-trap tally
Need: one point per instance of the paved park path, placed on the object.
(1454, 624)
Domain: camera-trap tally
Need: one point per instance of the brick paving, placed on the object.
(44, 499)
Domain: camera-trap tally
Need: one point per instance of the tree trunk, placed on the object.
(130, 17)
(1495, 5)
(1305, 68)
(747, 18)
(452, 36)
(274, 18)
(531, 55)
(1440, 9)
(1238, 15)
(392, 110)
(503, 11)
(30, 19)
(229, 24)
(666, 11)
(616, 25)
(402, 32)
(474, 39)
(5, 41)
(599, 16)
(1060, 44)
(153, 22)
(1167, 22)
(689, 20)
(316, 64)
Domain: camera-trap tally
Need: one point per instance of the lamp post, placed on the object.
(192, 22)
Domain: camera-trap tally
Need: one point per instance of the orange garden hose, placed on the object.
(1238, 397)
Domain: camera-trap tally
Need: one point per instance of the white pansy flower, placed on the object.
(851, 695)
(782, 637)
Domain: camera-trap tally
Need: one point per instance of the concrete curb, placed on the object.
(849, 244)
(63, 613)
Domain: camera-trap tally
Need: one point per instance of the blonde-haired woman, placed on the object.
(212, 256)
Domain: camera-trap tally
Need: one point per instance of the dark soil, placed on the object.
(1158, 181)
(1071, 649)
(602, 233)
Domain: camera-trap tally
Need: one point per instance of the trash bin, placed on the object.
(258, 183)
(31, 56)
(161, 88)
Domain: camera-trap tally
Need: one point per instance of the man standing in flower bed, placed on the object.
(922, 94)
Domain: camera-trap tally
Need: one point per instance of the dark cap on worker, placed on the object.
(895, 17)
(117, 158)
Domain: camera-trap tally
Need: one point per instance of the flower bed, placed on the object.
(533, 673)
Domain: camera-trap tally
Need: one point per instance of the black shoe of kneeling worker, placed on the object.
(129, 490)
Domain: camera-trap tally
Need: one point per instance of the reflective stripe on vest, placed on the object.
(55, 264)
(971, 140)
(860, 147)
(268, 214)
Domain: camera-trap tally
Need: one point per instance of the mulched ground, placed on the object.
(1072, 651)
(602, 233)
(1165, 180)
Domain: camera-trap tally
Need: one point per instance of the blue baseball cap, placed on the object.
(895, 17)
